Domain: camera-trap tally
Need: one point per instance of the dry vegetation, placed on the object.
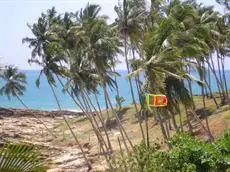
(62, 153)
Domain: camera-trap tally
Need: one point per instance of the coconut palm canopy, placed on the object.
(163, 43)
(14, 82)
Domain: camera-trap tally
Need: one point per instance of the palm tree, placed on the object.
(128, 24)
(48, 53)
(167, 45)
(15, 85)
(95, 48)
(101, 53)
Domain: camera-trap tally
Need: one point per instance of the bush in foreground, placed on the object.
(187, 155)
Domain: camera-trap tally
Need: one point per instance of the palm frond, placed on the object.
(20, 158)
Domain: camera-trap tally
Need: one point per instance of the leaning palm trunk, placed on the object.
(35, 116)
(167, 128)
(219, 84)
(188, 70)
(188, 120)
(202, 125)
(146, 125)
(117, 118)
(87, 101)
(73, 134)
(107, 107)
(80, 105)
(139, 94)
(206, 117)
(219, 70)
(90, 117)
(99, 114)
(221, 79)
(85, 111)
(180, 118)
(120, 129)
(173, 121)
(211, 67)
(127, 66)
(204, 103)
(224, 77)
(163, 130)
(208, 83)
(98, 105)
(136, 77)
(211, 94)
(117, 88)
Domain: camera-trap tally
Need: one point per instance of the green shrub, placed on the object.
(187, 155)
(205, 156)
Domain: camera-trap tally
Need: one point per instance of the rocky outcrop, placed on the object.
(25, 112)
(18, 125)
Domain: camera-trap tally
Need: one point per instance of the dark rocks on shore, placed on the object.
(25, 112)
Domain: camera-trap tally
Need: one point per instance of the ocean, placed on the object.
(42, 97)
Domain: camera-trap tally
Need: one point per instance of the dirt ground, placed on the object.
(61, 153)
(29, 130)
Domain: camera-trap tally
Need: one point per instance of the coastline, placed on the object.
(38, 112)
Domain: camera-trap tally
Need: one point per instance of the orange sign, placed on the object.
(154, 100)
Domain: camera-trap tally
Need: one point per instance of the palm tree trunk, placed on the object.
(180, 118)
(219, 70)
(122, 154)
(139, 94)
(167, 128)
(202, 125)
(98, 105)
(211, 94)
(188, 68)
(73, 134)
(224, 77)
(117, 88)
(101, 120)
(211, 67)
(174, 121)
(106, 107)
(127, 66)
(188, 120)
(209, 82)
(136, 78)
(220, 78)
(117, 118)
(87, 106)
(146, 125)
(219, 84)
(204, 103)
(85, 112)
(162, 128)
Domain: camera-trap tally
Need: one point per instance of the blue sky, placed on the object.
(15, 14)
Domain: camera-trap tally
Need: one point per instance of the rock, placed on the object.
(20, 125)
(38, 113)
(6, 112)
